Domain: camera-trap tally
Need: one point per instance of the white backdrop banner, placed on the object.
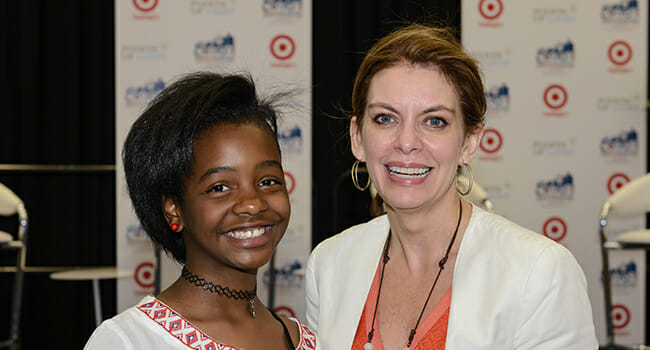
(566, 127)
(157, 41)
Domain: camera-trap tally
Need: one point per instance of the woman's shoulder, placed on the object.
(354, 234)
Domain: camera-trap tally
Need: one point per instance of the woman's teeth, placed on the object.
(247, 233)
(409, 173)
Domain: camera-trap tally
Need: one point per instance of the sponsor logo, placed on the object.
(494, 58)
(212, 7)
(145, 9)
(147, 52)
(559, 188)
(555, 14)
(554, 148)
(284, 310)
(144, 275)
(498, 98)
(289, 275)
(136, 234)
(555, 98)
(290, 181)
(219, 49)
(619, 104)
(624, 275)
(555, 228)
(282, 48)
(620, 318)
(626, 143)
(498, 192)
(619, 54)
(291, 140)
(140, 95)
(490, 11)
(622, 12)
(491, 144)
(292, 8)
(616, 181)
(561, 55)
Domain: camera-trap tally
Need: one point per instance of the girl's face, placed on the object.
(413, 137)
(235, 206)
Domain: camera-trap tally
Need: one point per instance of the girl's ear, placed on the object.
(471, 144)
(356, 141)
(172, 213)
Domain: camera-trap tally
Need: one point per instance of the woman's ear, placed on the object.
(356, 141)
(172, 213)
(471, 144)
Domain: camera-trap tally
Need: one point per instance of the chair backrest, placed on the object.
(632, 198)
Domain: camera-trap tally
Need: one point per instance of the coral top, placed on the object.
(430, 334)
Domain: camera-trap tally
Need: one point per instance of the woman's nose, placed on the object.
(407, 139)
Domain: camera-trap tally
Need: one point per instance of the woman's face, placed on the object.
(412, 138)
(235, 207)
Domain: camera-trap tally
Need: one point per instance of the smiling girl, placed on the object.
(204, 173)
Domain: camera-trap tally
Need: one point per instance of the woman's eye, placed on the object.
(383, 118)
(218, 188)
(436, 122)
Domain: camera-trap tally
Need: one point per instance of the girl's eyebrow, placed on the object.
(223, 169)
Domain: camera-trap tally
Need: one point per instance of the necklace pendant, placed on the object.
(367, 346)
(251, 307)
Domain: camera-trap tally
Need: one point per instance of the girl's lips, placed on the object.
(247, 233)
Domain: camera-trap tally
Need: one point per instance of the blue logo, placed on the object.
(282, 7)
(624, 144)
(218, 49)
(560, 55)
(560, 188)
(624, 275)
(498, 98)
(291, 139)
(135, 233)
(137, 95)
(626, 11)
(289, 275)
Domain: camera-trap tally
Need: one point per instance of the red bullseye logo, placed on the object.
(555, 96)
(144, 275)
(619, 53)
(145, 5)
(490, 9)
(284, 310)
(555, 229)
(617, 181)
(290, 181)
(491, 141)
(620, 316)
(283, 47)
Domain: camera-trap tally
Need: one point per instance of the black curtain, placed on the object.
(57, 107)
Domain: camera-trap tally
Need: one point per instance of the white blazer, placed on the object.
(512, 288)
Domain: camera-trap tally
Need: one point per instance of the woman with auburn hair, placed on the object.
(433, 271)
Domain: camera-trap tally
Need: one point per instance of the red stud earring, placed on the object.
(174, 227)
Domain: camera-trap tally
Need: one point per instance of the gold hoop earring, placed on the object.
(471, 180)
(354, 172)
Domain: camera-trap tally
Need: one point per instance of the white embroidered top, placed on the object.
(153, 325)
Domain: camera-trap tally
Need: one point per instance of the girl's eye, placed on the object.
(383, 118)
(270, 182)
(219, 188)
(436, 122)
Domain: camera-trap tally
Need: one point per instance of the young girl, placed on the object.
(204, 173)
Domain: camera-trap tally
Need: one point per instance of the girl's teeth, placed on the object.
(246, 234)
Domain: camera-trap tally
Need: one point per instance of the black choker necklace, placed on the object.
(248, 295)
(441, 265)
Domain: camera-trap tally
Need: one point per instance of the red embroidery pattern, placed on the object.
(193, 338)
